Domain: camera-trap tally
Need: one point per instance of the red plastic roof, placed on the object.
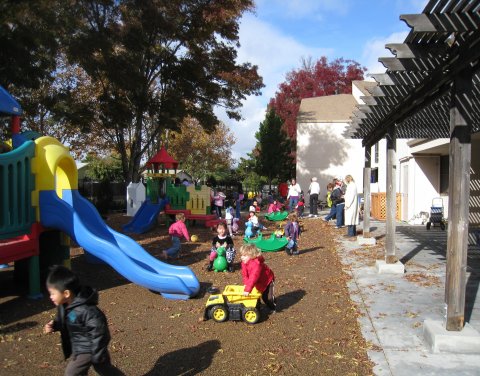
(163, 158)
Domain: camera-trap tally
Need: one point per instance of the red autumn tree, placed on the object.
(314, 79)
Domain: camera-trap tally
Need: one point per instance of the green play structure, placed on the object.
(272, 244)
(17, 214)
(23, 240)
(277, 216)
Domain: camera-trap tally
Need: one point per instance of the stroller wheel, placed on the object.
(428, 225)
(442, 226)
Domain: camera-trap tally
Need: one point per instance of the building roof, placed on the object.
(364, 86)
(329, 109)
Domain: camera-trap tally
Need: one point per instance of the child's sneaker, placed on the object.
(295, 253)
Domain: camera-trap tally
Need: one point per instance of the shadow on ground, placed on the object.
(289, 299)
(435, 240)
(308, 250)
(187, 362)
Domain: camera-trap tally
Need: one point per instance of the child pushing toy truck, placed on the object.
(241, 302)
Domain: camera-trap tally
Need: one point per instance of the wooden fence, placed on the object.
(379, 206)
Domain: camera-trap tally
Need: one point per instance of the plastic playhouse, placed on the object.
(41, 209)
(233, 305)
(162, 195)
(193, 201)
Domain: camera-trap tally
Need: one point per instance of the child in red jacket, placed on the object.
(257, 274)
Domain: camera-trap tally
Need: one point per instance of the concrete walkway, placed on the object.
(393, 307)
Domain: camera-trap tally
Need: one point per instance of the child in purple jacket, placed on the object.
(292, 232)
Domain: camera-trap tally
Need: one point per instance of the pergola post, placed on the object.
(459, 195)
(367, 173)
(391, 205)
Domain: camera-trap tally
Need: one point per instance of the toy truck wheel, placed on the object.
(218, 313)
(251, 315)
(442, 226)
(428, 225)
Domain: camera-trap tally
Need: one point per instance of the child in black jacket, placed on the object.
(82, 325)
(222, 240)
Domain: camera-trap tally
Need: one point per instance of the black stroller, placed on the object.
(436, 214)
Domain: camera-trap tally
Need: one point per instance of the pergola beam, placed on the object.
(415, 51)
(441, 22)
(390, 257)
(459, 185)
(420, 65)
(433, 86)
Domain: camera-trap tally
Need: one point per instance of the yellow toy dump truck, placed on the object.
(233, 305)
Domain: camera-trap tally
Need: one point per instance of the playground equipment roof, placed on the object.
(415, 93)
(162, 159)
(8, 105)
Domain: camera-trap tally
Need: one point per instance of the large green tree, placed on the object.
(247, 173)
(273, 149)
(29, 42)
(156, 62)
(57, 98)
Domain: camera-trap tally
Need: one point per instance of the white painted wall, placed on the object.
(323, 152)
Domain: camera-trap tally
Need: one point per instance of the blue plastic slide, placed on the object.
(78, 218)
(145, 217)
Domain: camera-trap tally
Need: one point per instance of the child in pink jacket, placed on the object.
(176, 231)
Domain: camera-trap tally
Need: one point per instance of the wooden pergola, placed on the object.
(431, 90)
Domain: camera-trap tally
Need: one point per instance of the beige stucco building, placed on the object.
(422, 168)
(322, 150)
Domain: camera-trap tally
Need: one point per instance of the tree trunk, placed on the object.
(136, 149)
(122, 150)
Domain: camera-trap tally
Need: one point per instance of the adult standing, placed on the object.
(293, 195)
(330, 203)
(283, 191)
(351, 206)
(238, 197)
(314, 191)
(339, 201)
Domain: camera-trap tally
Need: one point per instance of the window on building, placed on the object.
(376, 152)
(444, 172)
(374, 175)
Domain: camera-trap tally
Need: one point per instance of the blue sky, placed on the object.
(282, 32)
